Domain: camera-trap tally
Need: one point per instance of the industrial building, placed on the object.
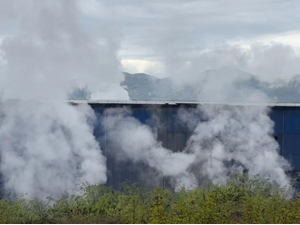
(173, 135)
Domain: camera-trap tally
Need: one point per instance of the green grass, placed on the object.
(241, 200)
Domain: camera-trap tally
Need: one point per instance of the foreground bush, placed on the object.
(241, 200)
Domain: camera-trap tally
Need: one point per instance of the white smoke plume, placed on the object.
(47, 146)
(48, 149)
(137, 142)
(226, 140)
(51, 52)
(233, 139)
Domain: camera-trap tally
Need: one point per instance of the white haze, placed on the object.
(236, 139)
(232, 138)
(267, 62)
(47, 149)
(47, 146)
(228, 139)
(52, 53)
(137, 142)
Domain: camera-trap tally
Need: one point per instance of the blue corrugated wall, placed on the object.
(287, 129)
(174, 135)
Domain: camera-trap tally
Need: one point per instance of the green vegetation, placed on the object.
(241, 200)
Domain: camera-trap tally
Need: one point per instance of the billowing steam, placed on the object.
(48, 148)
(52, 53)
(137, 142)
(227, 139)
(236, 139)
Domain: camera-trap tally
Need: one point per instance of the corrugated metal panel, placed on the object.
(174, 135)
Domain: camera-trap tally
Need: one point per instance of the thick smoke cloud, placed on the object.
(233, 138)
(137, 142)
(236, 139)
(48, 148)
(226, 140)
(229, 139)
(53, 52)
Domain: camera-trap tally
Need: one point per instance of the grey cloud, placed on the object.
(185, 25)
(150, 28)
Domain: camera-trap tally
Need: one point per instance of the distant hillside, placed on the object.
(282, 91)
(145, 87)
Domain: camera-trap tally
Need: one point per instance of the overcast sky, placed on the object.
(148, 31)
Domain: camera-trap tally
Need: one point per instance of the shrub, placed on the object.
(241, 200)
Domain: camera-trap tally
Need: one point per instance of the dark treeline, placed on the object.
(241, 200)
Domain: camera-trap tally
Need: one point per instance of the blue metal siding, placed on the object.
(174, 135)
(292, 137)
(277, 116)
(287, 128)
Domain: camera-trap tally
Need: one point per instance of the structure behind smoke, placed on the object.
(223, 141)
(137, 142)
(237, 139)
(49, 147)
